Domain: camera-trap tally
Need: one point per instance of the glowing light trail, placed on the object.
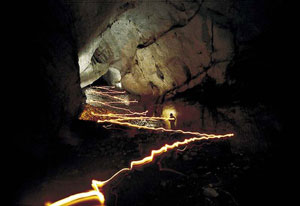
(100, 87)
(113, 115)
(124, 109)
(116, 92)
(156, 129)
(143, 118)
(77, 198)
(119, 108)
(97, 193)
(125, 118)
(106, 95)
(108, 89)
(117, 102)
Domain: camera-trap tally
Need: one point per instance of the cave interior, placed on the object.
(218, 66)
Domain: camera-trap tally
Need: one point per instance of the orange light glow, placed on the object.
(122, 117)
(124, 120)
(97, 193)
(111, 95)
(116, 121)
(116, 102)
(167, 110)
(119, 108)
(106, 94)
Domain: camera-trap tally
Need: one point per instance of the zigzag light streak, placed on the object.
(97, 193)
(155, 129)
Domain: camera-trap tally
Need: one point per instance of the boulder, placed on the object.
(113, 77)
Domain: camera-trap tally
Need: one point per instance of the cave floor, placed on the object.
(231, 171)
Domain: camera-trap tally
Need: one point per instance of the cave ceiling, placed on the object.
(155, 48)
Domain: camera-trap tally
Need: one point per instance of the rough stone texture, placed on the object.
(91, 19)
(180, 56)
(113, 77)
(167, 47)
(137, 27)
(44, 93)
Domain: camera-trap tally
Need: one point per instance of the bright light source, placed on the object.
(167, 111)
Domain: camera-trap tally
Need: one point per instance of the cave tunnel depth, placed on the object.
(150, 103)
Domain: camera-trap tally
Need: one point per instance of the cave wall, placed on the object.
(90, 20)
(166, 47)
(158, 48)
(50, 41)
(43, 94)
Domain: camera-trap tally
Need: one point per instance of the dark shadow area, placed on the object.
(44, 96)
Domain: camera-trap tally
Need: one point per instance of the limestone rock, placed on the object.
(179, 57)
(210, 192)
(113, 77)
(164, 47)
(133, 29)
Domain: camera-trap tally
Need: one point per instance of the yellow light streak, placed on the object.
(125, 118)
(121, 108)
(153, 128)
(106, 95)
(97, 192)
(117, 102)
(113, 115)
(98, 185)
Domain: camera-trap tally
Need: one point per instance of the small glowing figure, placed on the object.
(172, 120)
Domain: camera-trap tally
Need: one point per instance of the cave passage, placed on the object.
(115, 109)
(199, 171)
(159, 102)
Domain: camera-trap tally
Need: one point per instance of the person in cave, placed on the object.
(172, 121)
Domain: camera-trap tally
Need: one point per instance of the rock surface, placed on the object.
(167, 46)
(179, 57)
(210, 192)
(113, 77)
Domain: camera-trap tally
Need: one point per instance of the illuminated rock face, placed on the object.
(181, 58)
(162, 48)
(113, 77)
(137, 25)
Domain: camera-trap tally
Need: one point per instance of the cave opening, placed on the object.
(153, 103)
